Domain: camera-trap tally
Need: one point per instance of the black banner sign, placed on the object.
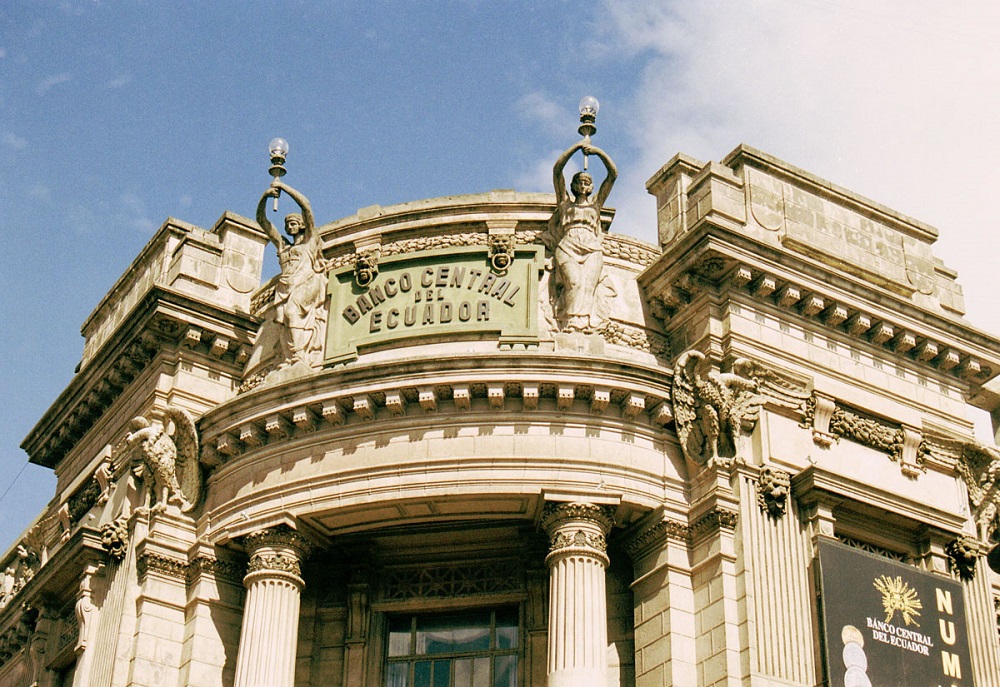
(887, 624)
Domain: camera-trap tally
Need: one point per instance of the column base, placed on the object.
(580, 677)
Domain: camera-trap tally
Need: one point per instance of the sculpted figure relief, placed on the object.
(711, 407)
(168, 461)
(300, 294)
(575, 238)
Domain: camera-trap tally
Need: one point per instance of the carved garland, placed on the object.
(875, 433)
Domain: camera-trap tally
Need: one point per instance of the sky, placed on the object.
(117, 115)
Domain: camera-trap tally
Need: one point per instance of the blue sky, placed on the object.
(116, 115)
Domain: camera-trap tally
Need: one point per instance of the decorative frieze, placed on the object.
(149, 562)
(719, 518)
(397, 402)
(831, 421)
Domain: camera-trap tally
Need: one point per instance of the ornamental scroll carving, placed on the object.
(831, 421)
(712, 408)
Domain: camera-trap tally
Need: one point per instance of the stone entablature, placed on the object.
(855, 317)
(801, 214)
(221, 266)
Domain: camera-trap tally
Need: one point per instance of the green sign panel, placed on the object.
(450, 293)
(887, 624)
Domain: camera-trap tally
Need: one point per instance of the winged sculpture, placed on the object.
(710, 407)
(168, 459)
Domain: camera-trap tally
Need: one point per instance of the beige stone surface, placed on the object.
(416, 472)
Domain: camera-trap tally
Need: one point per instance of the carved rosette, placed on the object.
(276, 552)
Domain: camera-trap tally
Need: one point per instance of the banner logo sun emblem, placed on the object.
(897, 595)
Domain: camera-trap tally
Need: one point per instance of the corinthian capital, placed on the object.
(277, 550)
(556, 514)
(577, 529)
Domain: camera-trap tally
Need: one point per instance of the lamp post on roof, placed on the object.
(589, 107)
(277, 149)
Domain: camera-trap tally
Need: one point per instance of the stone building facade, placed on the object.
(464, 491)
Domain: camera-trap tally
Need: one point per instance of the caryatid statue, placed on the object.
(575, 238)
(300, 294)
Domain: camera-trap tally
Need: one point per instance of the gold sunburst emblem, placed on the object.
(897, 595)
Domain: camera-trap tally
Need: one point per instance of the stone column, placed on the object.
(269, 634)
(578, 614)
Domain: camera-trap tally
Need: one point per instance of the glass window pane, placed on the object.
(442, 673)
(507, 624)
(422, 674)
(453, 633)
(481, 672)
(505, 671)
(400, 636)
(397, 674)
(463, 672)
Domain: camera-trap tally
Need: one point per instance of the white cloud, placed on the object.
(897, 102)
(120, 81)
(45, 85)
(133, 213)
(13, 141)
(543, 110)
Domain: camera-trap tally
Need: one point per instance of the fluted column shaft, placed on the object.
(578, 613)
(269, 634)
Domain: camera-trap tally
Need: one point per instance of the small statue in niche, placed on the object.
(300, 294)
(575, 238)
(168, 462)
